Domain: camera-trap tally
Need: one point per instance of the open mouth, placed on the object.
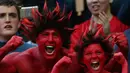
(49, 50)
(8, 27)
(96, 7)
(95, 65)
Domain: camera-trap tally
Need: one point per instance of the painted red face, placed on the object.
(49, 43)
(94, 58)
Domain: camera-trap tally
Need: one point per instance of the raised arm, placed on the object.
(121, 60)
(11, 45)
(62, 65)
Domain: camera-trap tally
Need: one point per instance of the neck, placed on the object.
(108, 13)
(49, 63)
(5, 38)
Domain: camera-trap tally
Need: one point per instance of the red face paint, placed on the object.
(94, 58)
(49, 43)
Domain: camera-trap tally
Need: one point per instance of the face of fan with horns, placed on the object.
(51, 36)
(49, 30)
(49, 42)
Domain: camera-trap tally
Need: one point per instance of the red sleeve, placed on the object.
(79, 30)
(117, 26)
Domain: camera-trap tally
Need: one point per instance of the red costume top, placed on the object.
(115, 26)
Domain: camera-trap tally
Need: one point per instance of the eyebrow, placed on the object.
(12, 13)
(8, 13)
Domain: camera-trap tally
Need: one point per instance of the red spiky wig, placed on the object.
(55, 19)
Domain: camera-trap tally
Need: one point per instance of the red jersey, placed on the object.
(115, 26)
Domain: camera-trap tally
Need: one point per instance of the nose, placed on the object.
(94, 56)
(7, 19)
(50, 38)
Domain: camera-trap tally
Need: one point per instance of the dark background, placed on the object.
(120, 8)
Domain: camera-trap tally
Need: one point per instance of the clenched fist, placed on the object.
(11, 45)
(14, 43)
(121, 60)
(62, 65)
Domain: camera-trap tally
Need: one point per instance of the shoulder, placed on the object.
(84, 24)
(19, 55)
(9, 58)
(7, 63)
(28, 54)
(115, 20)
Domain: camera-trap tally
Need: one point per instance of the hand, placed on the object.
(119, 57)
(93, 25)
(11, 45)
(120, 39)
(100, 30)
(104, 20)
(62, 65)
(14, 43)
(64, 61)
